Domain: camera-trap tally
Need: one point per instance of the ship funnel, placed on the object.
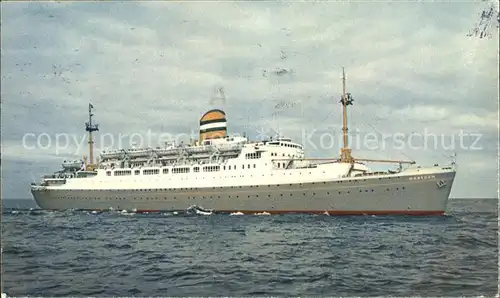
(213, 125)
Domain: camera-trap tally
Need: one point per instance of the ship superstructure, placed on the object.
(234, 174)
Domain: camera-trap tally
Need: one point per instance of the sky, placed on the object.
(423, 90)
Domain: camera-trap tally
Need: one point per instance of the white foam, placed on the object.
(4, 295)
(263, 213)
(199, 210)
(237, 213)
(203, 212)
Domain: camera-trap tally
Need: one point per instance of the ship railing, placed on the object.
(230, 147)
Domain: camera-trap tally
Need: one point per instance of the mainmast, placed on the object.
(345, 100)
(91, 127)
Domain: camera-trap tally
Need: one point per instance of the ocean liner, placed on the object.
(226, 173)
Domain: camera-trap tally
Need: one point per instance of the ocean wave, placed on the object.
(165, 254)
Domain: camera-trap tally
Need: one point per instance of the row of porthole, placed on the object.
(300, 173)
(354, 181)
(281, 195)
(232, 187)
(225, 177)
(388, 189)
(75, 198)
(150, 172)
(241, 176)
(211, 197)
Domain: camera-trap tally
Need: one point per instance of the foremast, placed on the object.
(91, 127)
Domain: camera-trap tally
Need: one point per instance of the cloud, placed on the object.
(153, 66)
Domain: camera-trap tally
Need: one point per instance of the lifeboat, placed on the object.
(72, 165)
(112, 154)
(199, 149)
(167, 151)
(141, 152)
(229, 147)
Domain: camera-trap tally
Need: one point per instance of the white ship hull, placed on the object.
(233, 174)
(416, 193)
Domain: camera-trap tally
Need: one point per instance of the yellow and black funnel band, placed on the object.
(203, 122)
(221, 129)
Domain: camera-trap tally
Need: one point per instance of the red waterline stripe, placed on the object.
(330, 212)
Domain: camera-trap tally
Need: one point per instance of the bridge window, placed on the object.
(165, 171)
(196, 169)
(255, 155)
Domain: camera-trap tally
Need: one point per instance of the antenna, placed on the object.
(91, 127)
(454, 160)
(346, 99)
